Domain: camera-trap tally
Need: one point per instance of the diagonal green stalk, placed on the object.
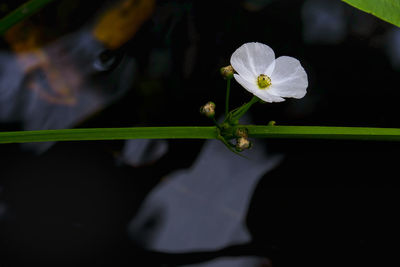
(238, 113)
(22, 12)
(188, 132)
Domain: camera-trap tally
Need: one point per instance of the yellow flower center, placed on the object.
(263, 81)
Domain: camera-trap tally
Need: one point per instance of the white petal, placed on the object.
(253, 88)
(268, 97)
(270, 69)
(289, 78)
(250, 86)
(253, 59)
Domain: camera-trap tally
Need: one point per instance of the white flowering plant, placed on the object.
(269, 79)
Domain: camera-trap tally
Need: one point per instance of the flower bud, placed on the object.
(242, 143)
(227, 72)
(208, 109)
(242, 132)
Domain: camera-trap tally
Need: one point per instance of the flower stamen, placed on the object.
(263, 81)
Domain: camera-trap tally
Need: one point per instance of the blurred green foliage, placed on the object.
(22, 12)
(387, 10)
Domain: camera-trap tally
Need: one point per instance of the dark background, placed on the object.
(329, 203)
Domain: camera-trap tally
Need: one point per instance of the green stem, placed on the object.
(228, 92)
(321, 132)
(255, 131)
(237, 114)
(216, 123)
(25, 10)
(110, 134)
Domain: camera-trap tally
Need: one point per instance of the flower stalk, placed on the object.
(228, 92)
(236, 114)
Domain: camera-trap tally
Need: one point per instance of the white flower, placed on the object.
(268, 78)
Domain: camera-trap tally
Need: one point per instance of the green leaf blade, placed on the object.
(387, 10)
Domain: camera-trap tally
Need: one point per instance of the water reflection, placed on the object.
(204, 207)
(393, 47)
(139, 152)
(323, 22)
(58, 84)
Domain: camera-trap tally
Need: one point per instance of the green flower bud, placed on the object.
(208, 109)
(242, 132)
(242, 143)
(227, 72)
